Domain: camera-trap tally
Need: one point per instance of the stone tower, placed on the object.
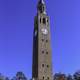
(42, 65)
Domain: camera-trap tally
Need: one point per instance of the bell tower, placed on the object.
(42, 64)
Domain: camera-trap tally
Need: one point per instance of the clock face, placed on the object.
(44, 31)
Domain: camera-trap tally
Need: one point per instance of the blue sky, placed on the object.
(16, 30)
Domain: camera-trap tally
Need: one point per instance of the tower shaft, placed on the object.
(42, 64)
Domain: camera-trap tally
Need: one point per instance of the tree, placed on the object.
(20, 76)
(60, 76)
(69, 77)
(76, 75)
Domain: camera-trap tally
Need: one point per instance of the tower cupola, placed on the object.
(41, 7)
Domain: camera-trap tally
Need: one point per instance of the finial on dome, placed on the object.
(43, 2)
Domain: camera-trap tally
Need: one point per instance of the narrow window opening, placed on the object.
(42, 51)
(46, 52)
(43, 8)
(44, 21)
(42, 40)
(46, 40)
(47, 66)
(43, 77)
(48, 78)
(47, 20)
(40, 20)
(42, 65)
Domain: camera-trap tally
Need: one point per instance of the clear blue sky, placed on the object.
(16, 30)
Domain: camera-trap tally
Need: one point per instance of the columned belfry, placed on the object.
(42, 64)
